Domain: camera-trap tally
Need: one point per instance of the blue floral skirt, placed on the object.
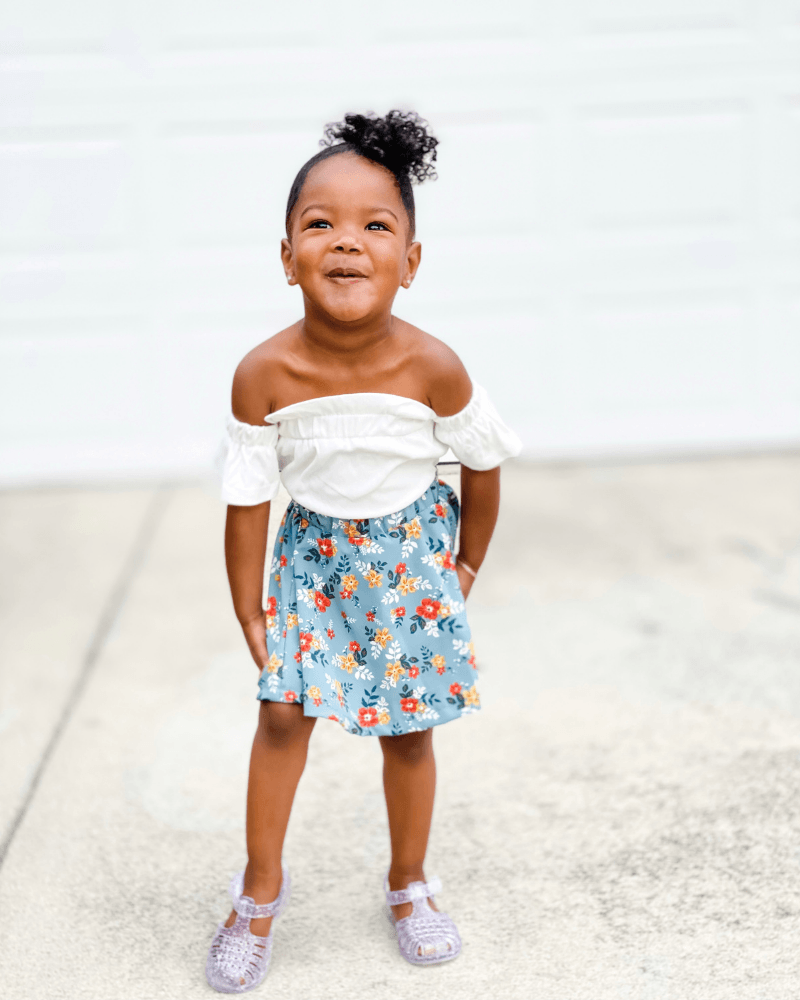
(365, 619)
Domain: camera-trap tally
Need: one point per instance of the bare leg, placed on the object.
(277, 760)
(409, 781)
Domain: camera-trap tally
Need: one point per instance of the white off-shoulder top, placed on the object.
(358, 455)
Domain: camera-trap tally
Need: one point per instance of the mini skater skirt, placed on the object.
(365, 619)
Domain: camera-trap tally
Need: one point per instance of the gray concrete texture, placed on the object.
(620, 821)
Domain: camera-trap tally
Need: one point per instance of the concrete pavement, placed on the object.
(620, 821)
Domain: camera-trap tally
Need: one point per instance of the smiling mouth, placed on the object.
(345, 272)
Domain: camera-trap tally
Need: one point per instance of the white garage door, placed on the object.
(613, 245)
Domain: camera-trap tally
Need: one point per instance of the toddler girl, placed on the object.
(352, 408)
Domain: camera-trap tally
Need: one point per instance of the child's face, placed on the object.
(350, 247)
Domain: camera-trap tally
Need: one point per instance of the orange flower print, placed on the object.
(400, 568)
(350, 582)
(274, 663)
(455, 689)
(284, 561)
(373, 578)
(330, 633)
(399, 612)
(394, 671)
(303, 522)
(272, 607)
(413, 671)
(408, 584)
(298, 656)
(315, 695)
(322, 602)
(291, 620)
(289, 696)
(354, 647)
(440, 511)
(327, 547)
(440, 670)
(413, 528)
(367, 717)
(347, 662)
(306, 640)
(333, 718)
(429, 608)
(447, 562)
(370, 616)
(383, 636)
(409, 704)
(471, 696)
(438, 661)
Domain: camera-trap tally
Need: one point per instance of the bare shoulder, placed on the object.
(447, 384)
(259, 376)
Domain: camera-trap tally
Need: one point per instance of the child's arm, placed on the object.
(449, 390)
(480, 503)
(246, 527)
(245, 550)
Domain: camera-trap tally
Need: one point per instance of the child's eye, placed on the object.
(319, 224)
(380, 225)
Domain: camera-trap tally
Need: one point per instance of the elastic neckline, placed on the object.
(269, 418)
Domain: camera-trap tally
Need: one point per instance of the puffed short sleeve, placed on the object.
(477, 434)
(248, 462)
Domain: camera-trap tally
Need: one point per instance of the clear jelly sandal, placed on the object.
(426, 936)
(238, 960)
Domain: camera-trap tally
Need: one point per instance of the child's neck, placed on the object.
(328, 337)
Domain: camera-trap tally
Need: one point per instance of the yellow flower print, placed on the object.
(349, 582)
(471, 696)
(337, 689)
(384, 718)
(408, 585)
(373, 578)
(420, 707)
(347, 662)
(437, 661)
(382, 636)
(314, 694)
(413, 528)
(395, 671)
(274, 663)
(291, 620)
(445, 610)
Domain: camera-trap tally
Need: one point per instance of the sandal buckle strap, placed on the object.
(246, 907)
(417, 890)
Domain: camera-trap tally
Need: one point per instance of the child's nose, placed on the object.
(348, 244)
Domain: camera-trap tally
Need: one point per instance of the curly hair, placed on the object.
(399, 141)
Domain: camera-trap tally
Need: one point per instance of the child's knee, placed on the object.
(281, 724)
(409, 748)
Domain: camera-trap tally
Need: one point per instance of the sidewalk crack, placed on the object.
(108, 616)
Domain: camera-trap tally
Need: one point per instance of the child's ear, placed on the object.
(287, 257)
(413, 256)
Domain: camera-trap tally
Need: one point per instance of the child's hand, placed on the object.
(465, 579)
(255, 632)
